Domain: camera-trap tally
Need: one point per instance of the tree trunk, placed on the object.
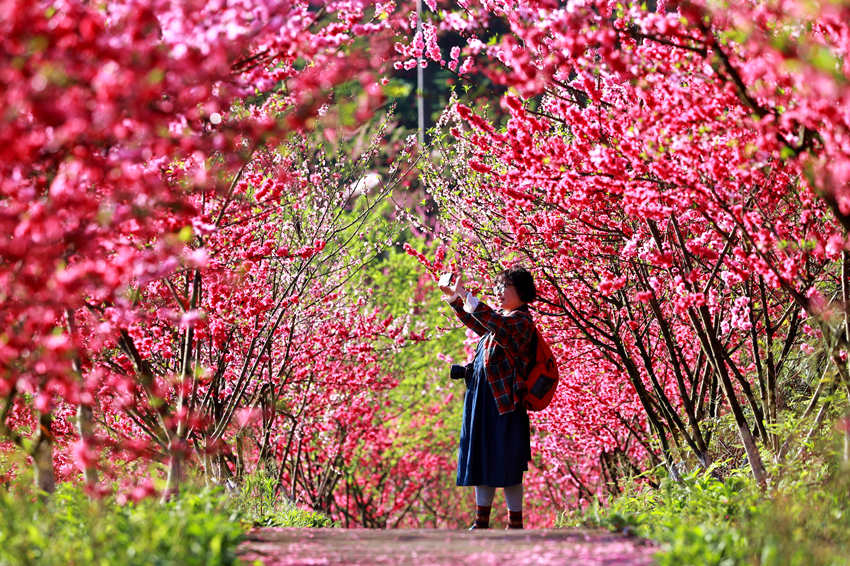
(845, 296)
(84, 412)
(177, 444)
(84, 428)
(175, 470)
(42, 456)
(713, 350)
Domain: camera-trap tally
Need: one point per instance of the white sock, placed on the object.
(513, 496)
(484, 495)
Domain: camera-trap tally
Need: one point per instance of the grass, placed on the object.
(69, 528)
(258, 499)
(201, 526)
(803, 519)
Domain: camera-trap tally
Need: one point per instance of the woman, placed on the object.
(494, 439)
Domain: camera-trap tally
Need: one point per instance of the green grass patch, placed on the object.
(265, 508)
(803, 519)
(202, 526)
(68, 528)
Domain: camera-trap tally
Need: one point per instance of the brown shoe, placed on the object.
(514, 520)
(482, 518)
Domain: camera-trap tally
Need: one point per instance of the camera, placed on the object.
(460, 372)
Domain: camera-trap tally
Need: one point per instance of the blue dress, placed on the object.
(494, 449)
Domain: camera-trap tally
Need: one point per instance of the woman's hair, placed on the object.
(522, 281)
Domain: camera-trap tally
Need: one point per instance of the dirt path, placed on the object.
(427, 547)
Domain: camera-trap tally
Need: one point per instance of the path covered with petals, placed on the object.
(290, 547)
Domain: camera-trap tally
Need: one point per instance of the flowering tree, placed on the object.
(677, 179)
(180, 266)
(228, 341)
(183, 271)
(119, 130)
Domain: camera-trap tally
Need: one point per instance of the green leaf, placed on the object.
(185, 234)
(824, 59)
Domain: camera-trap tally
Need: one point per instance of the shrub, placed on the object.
(803, 520)
(68, 528)
(265, 508)
(201, 526)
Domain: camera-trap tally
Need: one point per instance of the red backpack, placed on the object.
(542, 380)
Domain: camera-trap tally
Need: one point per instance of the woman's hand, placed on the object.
(453, 288)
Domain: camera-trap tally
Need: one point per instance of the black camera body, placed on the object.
(461, 372)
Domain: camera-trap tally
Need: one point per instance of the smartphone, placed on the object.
(446, 279)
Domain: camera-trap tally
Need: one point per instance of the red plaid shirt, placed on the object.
(513, 331)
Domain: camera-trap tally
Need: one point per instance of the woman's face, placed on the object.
(507, 296)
